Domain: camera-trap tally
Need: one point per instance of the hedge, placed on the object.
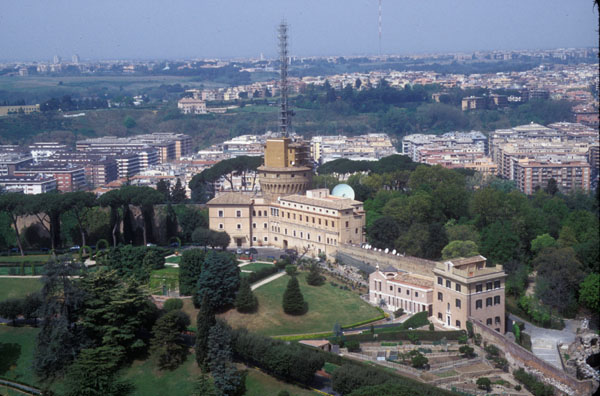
(364, 322)
(311, 336)
(416, 321)
(423, 335)
(261, 274)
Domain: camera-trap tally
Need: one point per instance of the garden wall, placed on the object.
(519, 357)
(354, 255)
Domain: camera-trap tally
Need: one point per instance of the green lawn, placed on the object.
(256, 266)
(261, 384)
(16, 364)
(326, 306)
(42, 258)
(12, 288)
(167, 276)
(173, 259)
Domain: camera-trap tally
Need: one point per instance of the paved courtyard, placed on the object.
(544, 341)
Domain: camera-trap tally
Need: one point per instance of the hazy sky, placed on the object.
(128, 29)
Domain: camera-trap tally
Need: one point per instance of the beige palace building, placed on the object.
(466, 288)
(287, 214)
(394, 290)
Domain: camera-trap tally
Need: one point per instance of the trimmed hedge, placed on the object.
(364, 322)
(261, 274)
(416, 321)
(311, 336)
(422, 335)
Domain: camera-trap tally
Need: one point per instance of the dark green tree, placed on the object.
(228, 380)
(14, 205)
(204, 321)
(171, 226)
(178, 194)
(245, 301)
(189, 219)
(79, 203)
(484, 383)
(293, 300)
(314, 277)
(11, 309)
(552, 186)
(459, 249)
(383, 233)
(559, 275)
(129, 122)
(204, 386)
(190, 269)
(60, 337)
(94, 373)
(167, 342)
(589, 292)
(164, 187)
(172, 304)
(220, 278)
(203, 236)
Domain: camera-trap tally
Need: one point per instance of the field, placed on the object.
(13, 288)
(16, 353)
(255, 267)
(38, 258)
(15, 361)
(167, 276)
(327, 305)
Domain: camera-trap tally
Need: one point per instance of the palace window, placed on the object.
(440, 297)
(478, 304)
(496, 300)
(497, 284)
(457, 287)
(221, 214)
(488, 302)
(458, 303)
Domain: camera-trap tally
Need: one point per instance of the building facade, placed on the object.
(467, 288)
(394, 290)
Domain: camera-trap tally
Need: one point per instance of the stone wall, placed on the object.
(519, 357)
(351, 255)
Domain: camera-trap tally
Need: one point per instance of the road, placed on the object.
(544, 341)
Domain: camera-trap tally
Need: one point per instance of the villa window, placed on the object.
(448, 284)
(221, 214)
(440, 297)
(488, 302)
(497, 319)
(479, 288)
(457, 287)
(239, 226)
(440, 281)
(458, 324)
(458, 303)
(221, 226)
(488, 321)
(497, 284)
(488, 286)
(496, 300)
(478, 304)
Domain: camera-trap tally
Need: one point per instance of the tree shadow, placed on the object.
(9, 355)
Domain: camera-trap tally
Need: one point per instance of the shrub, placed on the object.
(467, 351)
(291, 270)
(245, 301)
(532, 384)
(262, 273)
(293, 300)
(484, 383)
(462, 339)
(399, 312)
(353, 346)
(418, 360)
(314, 277)
(431, 327)
(172, 304)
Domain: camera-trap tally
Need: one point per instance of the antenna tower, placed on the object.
(285, 114)
(380, 28)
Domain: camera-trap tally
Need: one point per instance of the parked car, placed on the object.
(239, 251)
(74, 248)
(253, 251)
(151, 244)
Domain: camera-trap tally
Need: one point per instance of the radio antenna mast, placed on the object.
(285, 120)
(379, 28)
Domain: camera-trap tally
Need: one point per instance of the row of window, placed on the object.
(409, 306)
(307, 207)
(488, 321)
(488, 302)
(478, 287)
(400, 290)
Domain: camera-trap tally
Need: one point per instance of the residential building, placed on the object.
(372, 146)
(468, 289)
(394, 290)
(11, 161)
(473, 103)
(570, 174)
(69, 178)
(192, 106)
(16, 109)
(28, 184)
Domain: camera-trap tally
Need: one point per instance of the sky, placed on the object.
(185, 29)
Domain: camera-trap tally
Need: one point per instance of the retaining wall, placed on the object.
(354, 255)
(519, 357)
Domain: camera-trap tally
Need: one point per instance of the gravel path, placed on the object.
(267, 280)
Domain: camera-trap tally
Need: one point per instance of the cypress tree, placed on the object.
(245, 300)
(205, 320)
(293, 300)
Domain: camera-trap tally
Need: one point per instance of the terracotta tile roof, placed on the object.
(231, 198)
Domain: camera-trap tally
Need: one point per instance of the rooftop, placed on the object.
(231, 198)
(329, 202)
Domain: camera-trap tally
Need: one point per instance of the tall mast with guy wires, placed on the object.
(285, 114)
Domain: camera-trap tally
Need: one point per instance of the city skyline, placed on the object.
(145, 30)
